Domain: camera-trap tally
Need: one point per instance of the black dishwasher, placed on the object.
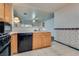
(24, 42)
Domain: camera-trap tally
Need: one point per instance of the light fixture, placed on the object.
(16, 20)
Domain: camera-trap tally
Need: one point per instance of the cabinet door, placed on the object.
(48, 39)
(41, 39)
(1, 11)
(36, 41)
(8, 12)
(45, 39)
(14, 44)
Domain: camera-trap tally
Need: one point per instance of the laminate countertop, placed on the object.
(11, 33)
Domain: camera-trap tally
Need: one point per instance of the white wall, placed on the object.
(49, 26)
(67, 17)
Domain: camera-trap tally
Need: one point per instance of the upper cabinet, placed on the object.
(6, 12)
(1, 11)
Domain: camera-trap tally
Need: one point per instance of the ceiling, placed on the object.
(42, 10)
(42, 6)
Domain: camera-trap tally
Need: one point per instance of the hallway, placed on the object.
(57, 49)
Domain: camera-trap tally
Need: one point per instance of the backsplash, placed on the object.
(27, 29)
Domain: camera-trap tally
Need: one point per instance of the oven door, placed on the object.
(4, 45)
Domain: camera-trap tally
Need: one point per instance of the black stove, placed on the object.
(4, 44)
(4, 39)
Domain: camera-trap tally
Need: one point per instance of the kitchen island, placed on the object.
(21, 42)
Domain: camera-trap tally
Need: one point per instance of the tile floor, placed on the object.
(56, 49)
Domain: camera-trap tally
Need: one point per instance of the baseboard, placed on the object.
(67, 45)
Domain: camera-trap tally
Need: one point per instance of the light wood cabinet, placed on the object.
(1, 11)
(36, 41)
(6, 12)
(41, 39)
(14, 44)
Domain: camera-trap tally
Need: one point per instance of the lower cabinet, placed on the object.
(14, 48)
(24, 42)
(41, 40)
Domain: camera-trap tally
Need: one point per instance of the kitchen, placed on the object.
(39, 29)
(26, 27)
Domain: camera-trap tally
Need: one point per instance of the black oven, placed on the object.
(4, 45)
(5, 29)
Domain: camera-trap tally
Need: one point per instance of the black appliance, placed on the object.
(24, 42)
(5, 27)
(1, 27)
(4, 45)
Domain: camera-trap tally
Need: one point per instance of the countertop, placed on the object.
(11, 33)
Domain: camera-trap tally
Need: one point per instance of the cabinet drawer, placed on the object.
(42, 34)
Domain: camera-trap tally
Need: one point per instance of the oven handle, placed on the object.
(3, 47)
(4, 36)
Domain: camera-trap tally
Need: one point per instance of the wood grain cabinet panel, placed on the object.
(14, 44)
(36, 41)
(48, 41)
(41, 39)
(43, 42)
(8, 12)
(5, 12)
(1, 11)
